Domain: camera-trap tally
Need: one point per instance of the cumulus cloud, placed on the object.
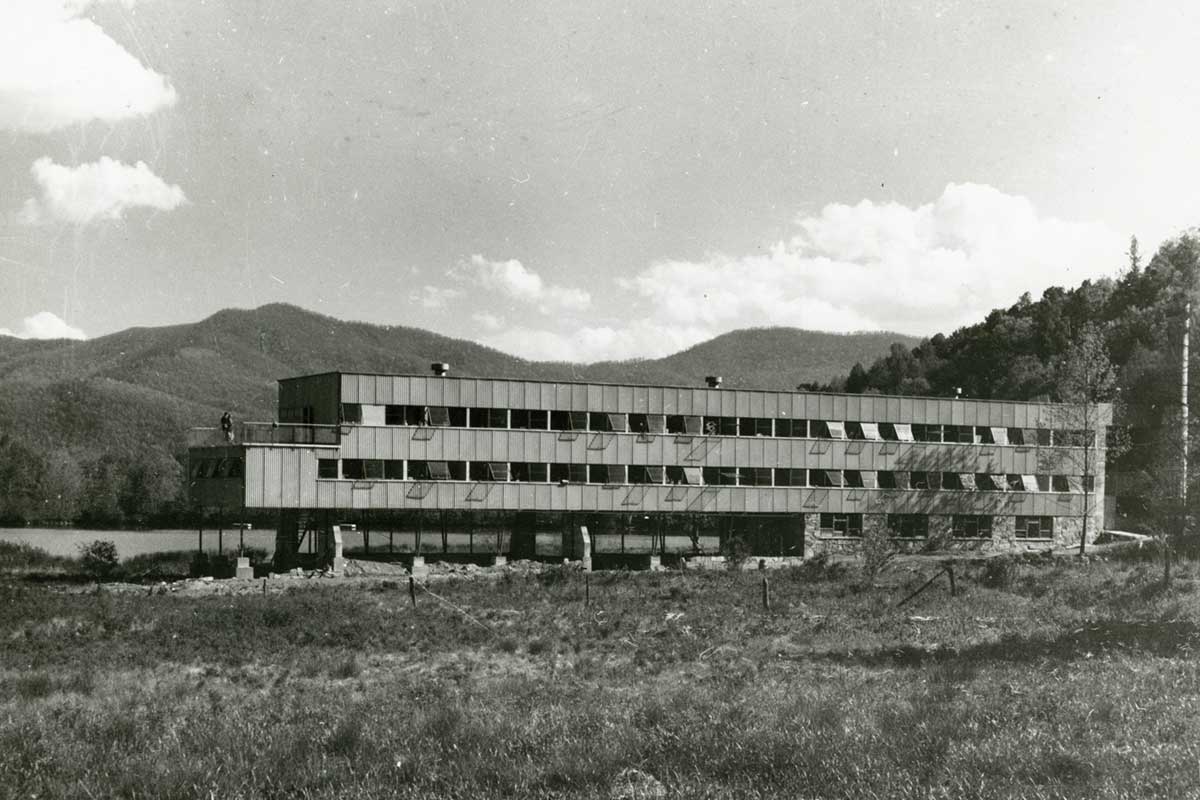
(58, 68)
(514, 280)
(104, 189)
(434, 298)
(44, 325)
(868, 266)
(885, 266)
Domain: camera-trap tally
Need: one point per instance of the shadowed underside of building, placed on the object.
(449, 466)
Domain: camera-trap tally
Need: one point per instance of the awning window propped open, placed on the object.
(837, 430)
(835, 477)
(655, 474)
(1029, 483)
(439, 415)
(904, 431)
(999, 482)
(498, 470)
(439, 470)
(656, 423)
(1075, 483)
(692, 476)
(618, 422)
(871, 431)
(1000, 435)
(870, 478)
(578, 421)
(693, 426)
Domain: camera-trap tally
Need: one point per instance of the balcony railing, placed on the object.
(265, 433)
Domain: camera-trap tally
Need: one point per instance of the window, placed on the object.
(689, 425)
(755, 426)
(720, 476)
(529, 419)
(1059, 483)
(1035, 527)
(351, 413)
(393, 470)
(606, 423)
(1016, 436)
(606, 473)
(691, 476)
(842, 524)
(641, 474)
(826, 477)
(489, 418)
(870, 478)
(373, 467)
(1072, 438)
(439, 470)
(887, 480)
(529, 472)
(926, 433)
(791, 427)
(837, 430)
(971, 526)
(991, 483)
(1043, 483)
(569, 473)
(720, 426)
(394, 415)
(794, 476)
(568, 420)
(1043, 437)
(904, 432)
(489, 471)
(999, 435)
(639, 423)
(819, 429)
(908, 526)
(853, 478)
(926, 480)
(870, 431)
(354, 468)
(854, 430)
(754, 476)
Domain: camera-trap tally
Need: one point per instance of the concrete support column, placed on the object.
(582, 547)
(287, 541)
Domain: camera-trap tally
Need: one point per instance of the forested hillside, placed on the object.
(94, 431)
(1020, 353)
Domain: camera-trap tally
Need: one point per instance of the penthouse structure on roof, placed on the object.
(487, 467)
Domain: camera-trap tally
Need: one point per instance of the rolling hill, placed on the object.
(77, 418)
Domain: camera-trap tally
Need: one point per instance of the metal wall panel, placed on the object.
(272, 478)
(289, 480)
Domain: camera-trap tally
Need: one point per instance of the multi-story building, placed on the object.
(509, 467)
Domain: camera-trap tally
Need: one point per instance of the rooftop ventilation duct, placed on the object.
(713, 381)
(439, 368)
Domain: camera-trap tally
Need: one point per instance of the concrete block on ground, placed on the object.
(418, 568)
(656, 562)
(244, 570)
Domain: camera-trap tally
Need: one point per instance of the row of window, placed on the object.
(916, 526)
(395, 469)
(682, 424)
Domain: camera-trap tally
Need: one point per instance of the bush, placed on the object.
(99, 559)
(736, 550)
(1000, 573)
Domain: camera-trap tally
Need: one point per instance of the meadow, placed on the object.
(1041, 678)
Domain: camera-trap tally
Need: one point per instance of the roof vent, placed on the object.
(713, 381)
(439, 368)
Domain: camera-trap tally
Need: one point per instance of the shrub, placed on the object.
(736, 550)
(99, 559)
(1000, 573)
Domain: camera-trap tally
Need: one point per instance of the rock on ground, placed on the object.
(633, 784)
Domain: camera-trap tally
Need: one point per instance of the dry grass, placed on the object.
(1069, 681)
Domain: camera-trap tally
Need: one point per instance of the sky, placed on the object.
(578, 180)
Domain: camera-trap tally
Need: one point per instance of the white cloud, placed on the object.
(867, 267)
(596, 343)
(489, 322)
(514, 280)
(435, 298)
(104, 189)
(58, 68)
(44, 325)
(917, 270)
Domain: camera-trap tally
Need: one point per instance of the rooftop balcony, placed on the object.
(265, 433)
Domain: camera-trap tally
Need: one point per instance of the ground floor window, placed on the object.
(908, 526)
(842, 524)
(1035, 527)
(972, 526)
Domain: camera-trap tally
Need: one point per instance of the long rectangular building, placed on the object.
(512, 467)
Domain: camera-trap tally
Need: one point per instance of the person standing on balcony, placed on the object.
(227, 426)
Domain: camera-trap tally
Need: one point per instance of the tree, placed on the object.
(1087, 380)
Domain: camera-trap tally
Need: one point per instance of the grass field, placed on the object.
(1055, 679)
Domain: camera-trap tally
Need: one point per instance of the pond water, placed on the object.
(66, 541)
